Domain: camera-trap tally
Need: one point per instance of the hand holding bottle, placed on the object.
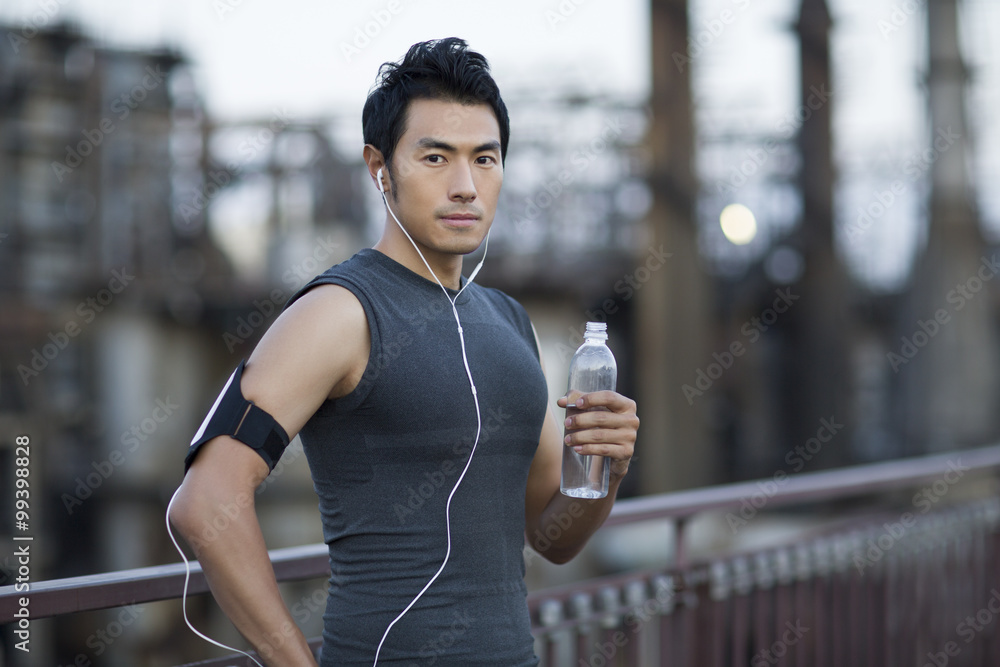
(600, 423)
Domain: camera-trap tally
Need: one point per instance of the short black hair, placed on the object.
(443, 69)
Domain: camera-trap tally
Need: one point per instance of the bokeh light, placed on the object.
(738, 224)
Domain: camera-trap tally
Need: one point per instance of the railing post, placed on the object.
(742, 586)
(764, 620)
(664, 589)
(636, 600)
(991, 569)
(784, 609)
(822, 602)
(583, 612)
(846, 583)
(550, 615)
(875, 612)
(719, 594)
(696, 616)
(804, 586)
(610, 623)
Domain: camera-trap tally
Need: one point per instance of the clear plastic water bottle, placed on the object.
(592, 368)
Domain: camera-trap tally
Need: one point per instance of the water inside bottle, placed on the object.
(583, 492)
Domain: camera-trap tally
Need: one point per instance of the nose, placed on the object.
(463, 187)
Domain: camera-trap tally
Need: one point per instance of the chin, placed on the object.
(473, 248)
(464, 245)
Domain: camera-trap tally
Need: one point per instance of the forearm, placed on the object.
(223, 530)
(566, 524)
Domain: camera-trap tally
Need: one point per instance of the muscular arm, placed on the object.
(558, 526)
(315, 350)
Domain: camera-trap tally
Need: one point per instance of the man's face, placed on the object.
(447, 175)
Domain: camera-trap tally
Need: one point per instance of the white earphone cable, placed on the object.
(187, 577)
(475, 398)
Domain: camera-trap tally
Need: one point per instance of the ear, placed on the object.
(373, 158)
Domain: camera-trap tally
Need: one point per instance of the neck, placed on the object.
(447, 267)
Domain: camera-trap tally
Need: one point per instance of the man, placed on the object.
(427, 487)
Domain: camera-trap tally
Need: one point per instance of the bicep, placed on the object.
(308, 351)
(292, 371)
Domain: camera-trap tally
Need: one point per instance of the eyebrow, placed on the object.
(430, 142)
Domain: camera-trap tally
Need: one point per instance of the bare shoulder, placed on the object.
(315, 349)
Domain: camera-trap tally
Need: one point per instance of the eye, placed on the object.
(489, 159)
(435, 159)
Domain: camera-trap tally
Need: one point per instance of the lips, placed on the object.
(461, 219)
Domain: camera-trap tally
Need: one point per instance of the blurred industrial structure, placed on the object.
(145, 247)
(120, 308)
(127, 300)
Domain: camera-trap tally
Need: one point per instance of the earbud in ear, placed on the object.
(378, 177)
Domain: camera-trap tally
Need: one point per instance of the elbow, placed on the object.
(178, 513)
(208, 504)
(560, 556)
(184, 513)
(554, 553)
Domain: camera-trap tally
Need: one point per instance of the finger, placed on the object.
(597, 418)
(598, 436)
(611, 400)
(571, 397)
(627, 423)
(617, 452)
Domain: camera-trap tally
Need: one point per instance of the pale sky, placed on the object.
(309, 56)
(316, 58)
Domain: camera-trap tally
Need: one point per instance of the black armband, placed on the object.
(235, 416)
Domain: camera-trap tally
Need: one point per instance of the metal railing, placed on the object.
(892, 587)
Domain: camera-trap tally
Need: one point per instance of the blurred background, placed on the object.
(786, 211)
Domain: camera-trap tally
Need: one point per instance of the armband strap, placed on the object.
(235, 416)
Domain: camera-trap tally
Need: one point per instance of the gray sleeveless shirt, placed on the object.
(385, 458)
